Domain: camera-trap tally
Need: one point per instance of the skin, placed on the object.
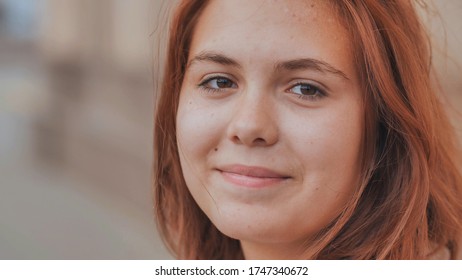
(268, 157)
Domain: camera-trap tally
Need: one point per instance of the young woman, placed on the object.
(303, 129)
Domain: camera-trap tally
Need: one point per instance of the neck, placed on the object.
(272, 251)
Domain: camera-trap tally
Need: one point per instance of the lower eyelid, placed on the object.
(203, 87)
(310, 97)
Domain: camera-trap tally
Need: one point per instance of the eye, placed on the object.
(307, 91)
(217, 83)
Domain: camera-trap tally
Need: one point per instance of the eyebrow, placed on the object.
(309, 63)
(214, 57)
(290, 65)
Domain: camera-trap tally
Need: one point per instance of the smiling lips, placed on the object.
(251, 176)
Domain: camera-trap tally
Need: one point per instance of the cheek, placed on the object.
(198, 127)
(329, 146)
(199, 130)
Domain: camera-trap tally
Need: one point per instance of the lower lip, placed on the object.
(251, 182)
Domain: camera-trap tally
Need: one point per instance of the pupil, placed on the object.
(223, 83)
(307, 90)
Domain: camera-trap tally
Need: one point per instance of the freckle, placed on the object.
(312, 5)
(316, 189)
(216, 149)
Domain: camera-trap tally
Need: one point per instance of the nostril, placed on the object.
(259, 141)
(236, 139)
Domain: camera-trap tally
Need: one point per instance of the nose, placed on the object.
(253, 122)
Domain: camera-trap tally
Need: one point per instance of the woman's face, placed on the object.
(270, 121)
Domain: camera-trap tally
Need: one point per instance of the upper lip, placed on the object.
(252, 171)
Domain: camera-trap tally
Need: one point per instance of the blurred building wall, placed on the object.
(77, 132)
(444, 22)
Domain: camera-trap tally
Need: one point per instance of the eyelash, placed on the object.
(203, 85)
(319, 93)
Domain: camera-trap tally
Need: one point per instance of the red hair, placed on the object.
(410, 200)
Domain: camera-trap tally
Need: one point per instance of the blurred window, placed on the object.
(18, 19)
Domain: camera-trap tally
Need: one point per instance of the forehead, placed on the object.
(273, 28)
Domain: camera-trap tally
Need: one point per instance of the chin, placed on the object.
(256, 229)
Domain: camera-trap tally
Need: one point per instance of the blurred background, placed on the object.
(76, 107)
